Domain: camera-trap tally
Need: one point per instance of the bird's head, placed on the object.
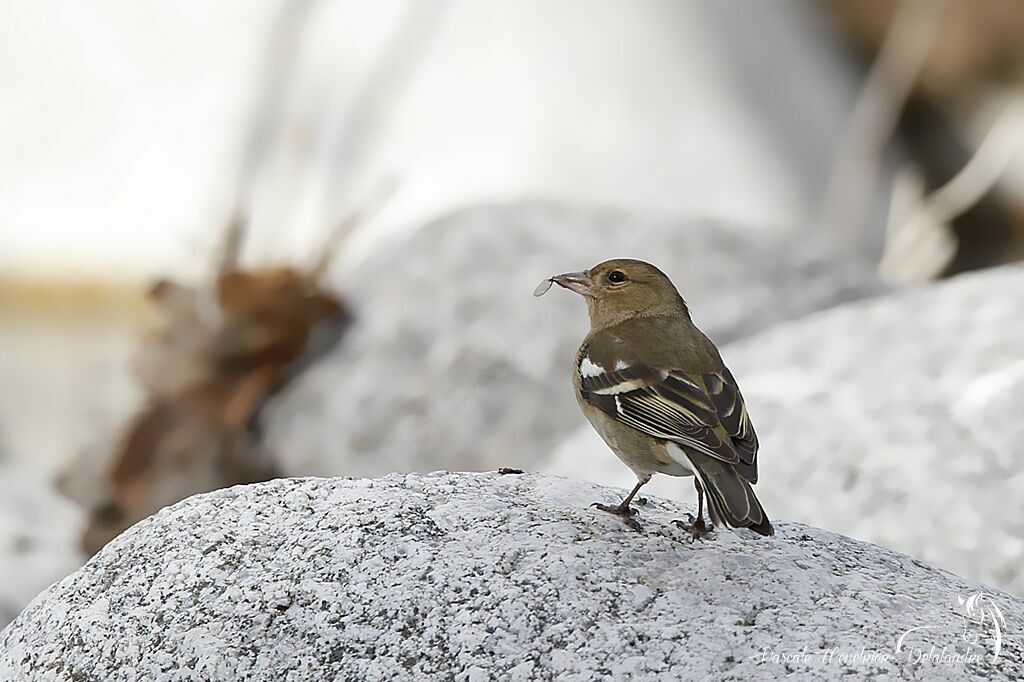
(620, 289)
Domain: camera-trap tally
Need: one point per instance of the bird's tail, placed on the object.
(731, 499)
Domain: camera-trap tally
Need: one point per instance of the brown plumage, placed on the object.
(656, 390)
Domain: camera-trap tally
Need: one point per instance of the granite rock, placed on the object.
(485, 576)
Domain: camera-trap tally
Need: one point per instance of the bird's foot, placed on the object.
(695, 526)
(624, 510)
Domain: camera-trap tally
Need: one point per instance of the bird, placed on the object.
(657, 391)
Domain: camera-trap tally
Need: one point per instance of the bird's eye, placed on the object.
(616, 277)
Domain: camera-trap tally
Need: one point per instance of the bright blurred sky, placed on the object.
(119, 118)
(122, 124)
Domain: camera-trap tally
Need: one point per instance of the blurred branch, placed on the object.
(231, 243)
(920, 242)
(918, 245)
(984, 169)
(277, 68)
(351, 135)
(333, 244)
(873, 121)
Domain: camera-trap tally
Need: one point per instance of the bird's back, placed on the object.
(667, 342)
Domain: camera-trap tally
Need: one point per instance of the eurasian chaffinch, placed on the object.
(656, 390)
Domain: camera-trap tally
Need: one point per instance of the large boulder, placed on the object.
(898, 421)
(484, 576)
(452, 364)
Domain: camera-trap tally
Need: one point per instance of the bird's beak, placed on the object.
(579, 282)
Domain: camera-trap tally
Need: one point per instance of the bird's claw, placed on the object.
(616, 509)
(627, 513)
(696, 527)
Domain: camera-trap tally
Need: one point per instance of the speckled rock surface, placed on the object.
(452, 364)
(482, 576)
(898, 420)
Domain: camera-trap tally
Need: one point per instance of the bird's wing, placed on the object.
(702, 411)
(732, 413)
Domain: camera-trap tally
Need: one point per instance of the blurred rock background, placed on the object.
(777, 159)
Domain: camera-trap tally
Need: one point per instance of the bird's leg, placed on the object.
(696, 526)
(623, 509)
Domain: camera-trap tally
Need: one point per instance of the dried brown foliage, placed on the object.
(217, 357)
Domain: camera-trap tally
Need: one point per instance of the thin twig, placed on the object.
(985, 167)
(277, 68)
(333, 245)
(887, 87)
(920, 241)
(350, 136)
